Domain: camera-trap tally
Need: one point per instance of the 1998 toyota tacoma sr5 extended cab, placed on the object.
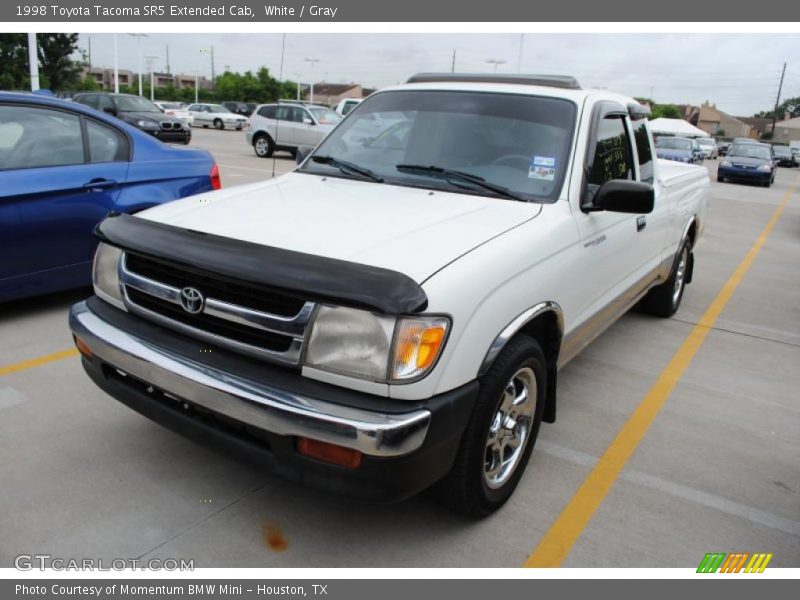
(392, 315)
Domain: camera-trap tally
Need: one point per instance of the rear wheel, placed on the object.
(664, 300)
(501, 431)
(263, 145)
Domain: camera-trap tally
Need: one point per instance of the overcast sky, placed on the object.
(739, 72)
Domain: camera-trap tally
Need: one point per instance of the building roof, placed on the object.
(789, 123)
(758, 123)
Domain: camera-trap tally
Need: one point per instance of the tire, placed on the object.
(263, 145)
(720, 178)
(475, 486)
(218, 124)
(665, 299)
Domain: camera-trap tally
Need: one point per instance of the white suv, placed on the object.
(287, 126)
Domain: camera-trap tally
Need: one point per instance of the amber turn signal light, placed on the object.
(330, 453)
(83, 347)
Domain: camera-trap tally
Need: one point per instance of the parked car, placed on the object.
(722, 148)
(175, 109)
(709, 147)
(680, 149)
(140, 113)
(748, 162)
(785, 156)
(240, 108)
(346, 105)
(63, 168)
(287, 126)
(217, 116)
(387, 319)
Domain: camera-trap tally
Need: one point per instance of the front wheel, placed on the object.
(501, 432)
(263, 146)
(218, 124)
(664, 300)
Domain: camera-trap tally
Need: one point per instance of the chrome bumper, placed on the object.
(253, 403)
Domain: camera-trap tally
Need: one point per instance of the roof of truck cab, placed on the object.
(576, 95)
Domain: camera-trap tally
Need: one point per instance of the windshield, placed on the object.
(750, 151)
(782, 150)
(325, 116)
(674, 143)
(170, 106)
(135, 104)
(517, 142)
(705, 141)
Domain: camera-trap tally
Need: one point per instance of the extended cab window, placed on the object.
(612, 155)
(516, 143)
(644, 151)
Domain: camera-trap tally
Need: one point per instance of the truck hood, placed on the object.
(409, 230)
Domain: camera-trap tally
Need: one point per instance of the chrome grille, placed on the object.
(171, 125)
(259, 323)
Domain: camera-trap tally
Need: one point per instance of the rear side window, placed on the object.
(103, 102)
(89, 100)
(612, 156)
(644, 151)
(268, 112)
(105, 144)
(39, 137)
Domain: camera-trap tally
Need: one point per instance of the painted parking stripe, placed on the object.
(557, 543)
(37, 362)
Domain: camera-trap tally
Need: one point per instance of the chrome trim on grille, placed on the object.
(293, 327)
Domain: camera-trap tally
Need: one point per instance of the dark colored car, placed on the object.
(723, 147)
(140, 113)
(240, 108)
(63, 168)
(785, 156)
(680, 149)
(748, 162)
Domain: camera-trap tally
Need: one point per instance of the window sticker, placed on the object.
(542, 168)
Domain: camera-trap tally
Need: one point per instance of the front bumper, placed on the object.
(182, 135)
(741, 173)
(257, 411)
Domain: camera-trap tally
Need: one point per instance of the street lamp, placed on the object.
(312, 61)
(139, 37)
(150, 60)
(495, 62)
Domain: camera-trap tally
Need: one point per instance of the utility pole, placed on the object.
(453, 65)
(168, 73)
(196, 87)
(777, 102)
(150, 60)
(312, 61)
(33, 61)
(139, 37)
(90, 56)
(519, 54)
(212, 69)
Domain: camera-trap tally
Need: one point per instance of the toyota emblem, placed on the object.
(192, 300)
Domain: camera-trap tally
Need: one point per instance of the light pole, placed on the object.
(196, 87)
(312, 61)
(297, 81)
(139, 37)
(495, 62)
(150, 60)
(116, 66)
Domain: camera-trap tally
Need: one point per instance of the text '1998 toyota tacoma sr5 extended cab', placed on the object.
(392, 315)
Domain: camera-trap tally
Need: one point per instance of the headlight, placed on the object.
(105, 274)
(375, 347)
(724, 163)
(766, 168)
(148, 124)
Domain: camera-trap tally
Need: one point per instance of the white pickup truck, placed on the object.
(392, 315)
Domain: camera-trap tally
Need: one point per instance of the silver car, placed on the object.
(287, 126)
(215, 115)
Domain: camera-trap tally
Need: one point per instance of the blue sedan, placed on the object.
(63, 168)
(748, 162)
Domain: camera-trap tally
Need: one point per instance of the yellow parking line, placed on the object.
(36, 362)
(556, 544)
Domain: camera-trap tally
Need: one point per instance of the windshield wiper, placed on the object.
(463, 176)
(345, 166)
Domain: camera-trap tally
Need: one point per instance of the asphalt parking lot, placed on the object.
(718, 470)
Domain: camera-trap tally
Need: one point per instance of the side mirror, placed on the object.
(307, 121)
(624, 196)
(302, 153)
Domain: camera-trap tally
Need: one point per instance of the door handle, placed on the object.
(96, 185)
(641, 223)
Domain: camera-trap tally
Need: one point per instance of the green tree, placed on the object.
(783, 110)
(57, 69)
(14, 58)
